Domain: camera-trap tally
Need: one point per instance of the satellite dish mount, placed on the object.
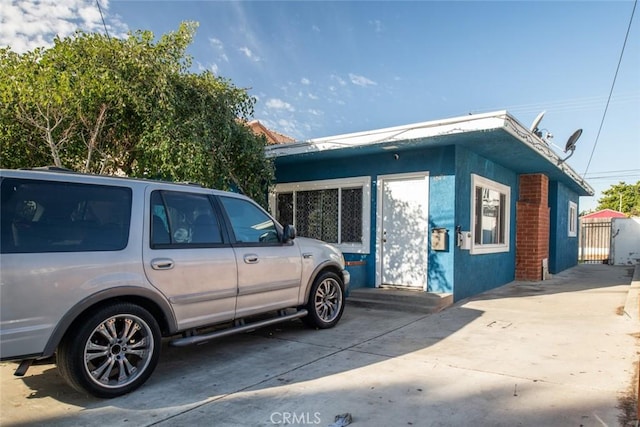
(543, 134)
(571, 144)
(536, 122)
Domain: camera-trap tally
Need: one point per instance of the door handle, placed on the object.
(162, 264)
(251, 258)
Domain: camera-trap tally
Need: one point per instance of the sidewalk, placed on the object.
(556, 353)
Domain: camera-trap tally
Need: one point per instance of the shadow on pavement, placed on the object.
(288, 367)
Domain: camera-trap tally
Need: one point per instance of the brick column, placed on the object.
(532, 226)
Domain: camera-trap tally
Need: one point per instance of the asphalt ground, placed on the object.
(562, 352)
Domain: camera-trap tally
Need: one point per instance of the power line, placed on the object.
(104, 24)
(614, 177)
(574, 104)
(616, 171)
(604, 114)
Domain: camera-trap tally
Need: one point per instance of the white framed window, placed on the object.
(490, 213)
(572, 220)
(335, 210)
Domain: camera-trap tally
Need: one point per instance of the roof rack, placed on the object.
(51, 169)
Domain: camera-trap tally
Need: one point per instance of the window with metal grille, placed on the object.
(335, 211)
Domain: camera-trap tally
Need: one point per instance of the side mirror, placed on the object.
(289, 233)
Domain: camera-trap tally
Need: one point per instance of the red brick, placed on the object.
(532, 233)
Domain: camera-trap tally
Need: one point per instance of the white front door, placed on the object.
(403, 224)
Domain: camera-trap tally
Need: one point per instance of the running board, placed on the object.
(22, 368)
(195, 339)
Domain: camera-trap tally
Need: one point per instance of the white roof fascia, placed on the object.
(536, 143)
(469, 123)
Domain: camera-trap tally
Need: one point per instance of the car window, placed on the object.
(46, 216)
(249, 223)
(183, 219)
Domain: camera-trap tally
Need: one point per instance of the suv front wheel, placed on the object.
(112, 352)
(326, 301)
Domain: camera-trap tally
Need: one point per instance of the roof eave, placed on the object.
(476, 122)
(528, 138)
(498, 120)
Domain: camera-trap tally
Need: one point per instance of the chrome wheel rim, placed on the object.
(328, 300)
(118, 351)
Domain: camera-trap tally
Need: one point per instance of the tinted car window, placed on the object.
(250, 224)
(183, 219)
(42, 216)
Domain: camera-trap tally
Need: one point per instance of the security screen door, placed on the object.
(404, 227)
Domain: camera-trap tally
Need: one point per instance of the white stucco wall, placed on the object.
(625, 241)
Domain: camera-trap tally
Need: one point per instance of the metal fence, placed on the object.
(595, 242)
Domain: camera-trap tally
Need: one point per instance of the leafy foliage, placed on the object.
(622, 197)
(129, 106)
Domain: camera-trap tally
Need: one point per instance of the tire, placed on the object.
(326, 301)
(95, 358)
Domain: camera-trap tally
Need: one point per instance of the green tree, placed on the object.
(129, 106)
(622, 197)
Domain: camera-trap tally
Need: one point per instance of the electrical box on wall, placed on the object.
(439, 238)
(464, 240)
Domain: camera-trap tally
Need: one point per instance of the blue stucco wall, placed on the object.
(450, 170)
(439, 162)
(442, 188)
(563, 249)
(480, 272)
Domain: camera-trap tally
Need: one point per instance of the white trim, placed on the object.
(425, 130)
(537, 144)
(462, 124)
(363, 182)
(572, 226)
(480, 181)
(378, 243)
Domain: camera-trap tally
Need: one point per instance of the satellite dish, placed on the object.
(536, 123)
(571, 144)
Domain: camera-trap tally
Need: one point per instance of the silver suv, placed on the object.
(96, 270)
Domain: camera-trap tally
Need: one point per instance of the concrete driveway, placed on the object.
(557, 353)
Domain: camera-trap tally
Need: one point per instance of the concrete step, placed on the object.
(400, 299)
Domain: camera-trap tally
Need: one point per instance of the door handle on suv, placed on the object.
(251, 258)
(162, 264)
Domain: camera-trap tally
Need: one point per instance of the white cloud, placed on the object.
(312, 96)
(278, 104)
(249, 54)
(361, 80)
(377, 25)
(218, 46)
(338, 79)
(216, 43)
(305, 81)
(315, 112)
(285, 126)
(30, 24)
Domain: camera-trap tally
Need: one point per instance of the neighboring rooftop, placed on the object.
(604, 213)
(272, 136)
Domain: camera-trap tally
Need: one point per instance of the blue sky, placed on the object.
(326, 68)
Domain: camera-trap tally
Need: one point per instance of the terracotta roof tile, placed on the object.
(272, 136)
